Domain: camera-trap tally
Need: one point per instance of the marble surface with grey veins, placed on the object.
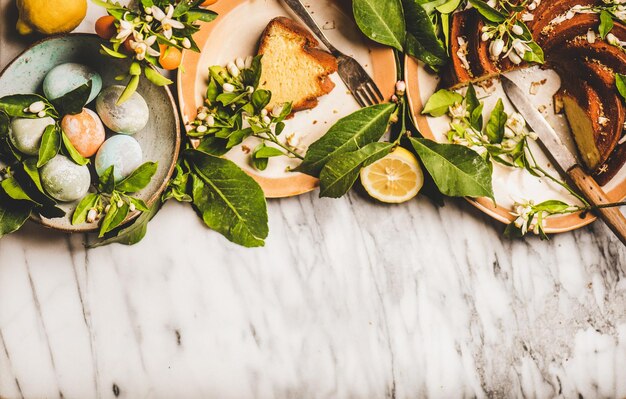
(348, 299)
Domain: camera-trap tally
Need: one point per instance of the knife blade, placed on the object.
(562, 157)
(547, 136)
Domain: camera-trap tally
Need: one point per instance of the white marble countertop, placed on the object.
(349, 299)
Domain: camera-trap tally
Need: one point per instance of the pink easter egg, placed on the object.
(85, 131)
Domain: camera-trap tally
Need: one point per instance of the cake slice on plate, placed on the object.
(294, 68)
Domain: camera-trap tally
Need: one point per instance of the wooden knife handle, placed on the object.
(588, 187)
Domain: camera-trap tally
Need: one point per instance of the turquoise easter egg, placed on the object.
(25, 134)
(123, 153)
(66, 77)
(129, 117)
(64, 180)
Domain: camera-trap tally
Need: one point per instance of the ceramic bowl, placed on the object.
(159, 140)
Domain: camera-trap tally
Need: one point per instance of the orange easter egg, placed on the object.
(85, 131)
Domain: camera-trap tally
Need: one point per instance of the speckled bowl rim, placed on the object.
(170, 172)
(555, 224)
(383, 64)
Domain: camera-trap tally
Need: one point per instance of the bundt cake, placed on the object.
(567, 31)
(293, 68)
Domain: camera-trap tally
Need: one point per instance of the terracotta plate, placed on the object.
(510, 184)
(235, 33)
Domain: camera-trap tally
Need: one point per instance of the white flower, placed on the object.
(241, 64)
(144, 46)
(457, 111)
(515, 58)
(126, 29)
(518, 30)
(166, 20)
(516, 123)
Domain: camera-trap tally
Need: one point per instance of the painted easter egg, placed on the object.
(123, 152)
(129, 117)
(67, 77)
(85, 131)
(26, 133)
(64, 180)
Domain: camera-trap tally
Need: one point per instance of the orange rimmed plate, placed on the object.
(235, 33)
(511, 184)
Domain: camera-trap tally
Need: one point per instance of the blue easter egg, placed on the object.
(128, 117)
(64, 180)
(25, 134)
(123, 153)
(66, 77)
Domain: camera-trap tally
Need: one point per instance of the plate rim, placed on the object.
(300, 183)
(554, 224)
(44, 222)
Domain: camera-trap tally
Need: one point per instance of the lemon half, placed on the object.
(395, 178)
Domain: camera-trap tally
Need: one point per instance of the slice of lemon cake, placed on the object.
(294, 68)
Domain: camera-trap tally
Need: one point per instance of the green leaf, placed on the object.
(72, 152)
(112, 53)
(229, 201)
(14, 105)
(50, 145)
(107, 181)
(340, 173)
(606, 23)
(381, 21)
(5, 122)
(439, 103)
(496, 124)
(130, 89)
(620, 83)
(350, 133)
(139, 179)
(13, 189)
(140, 205)
(457, 170)
(476, 118)
(113, 218)
(552, 206)
(260, 99)
(87, 203)
(421, 40)
(13, 215)
(133, 233)
(200, 15)
(449, 6)
(471, 99)
(73, 102)
(490, 13)
(156, 78)
(261, 155)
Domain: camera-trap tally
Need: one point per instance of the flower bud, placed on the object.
(518, 30)
(186, 43)
(201, 129)
(210, 120)
(41, 114)
(400, 88)
(36, 107)
(132, 207)
(241, 64)
(228, 88)
(496, 47)
(232, 69)
(266, 120)
(91, 215)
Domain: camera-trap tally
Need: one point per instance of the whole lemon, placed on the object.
(50, 17)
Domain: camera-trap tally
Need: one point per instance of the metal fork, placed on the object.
(358, 81)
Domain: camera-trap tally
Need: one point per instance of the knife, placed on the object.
(562, 157)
